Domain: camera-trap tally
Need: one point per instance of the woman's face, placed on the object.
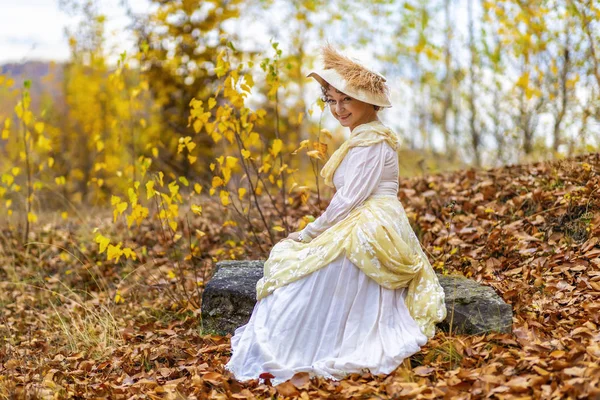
(349, 111)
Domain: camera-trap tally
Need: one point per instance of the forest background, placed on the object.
(125, 177)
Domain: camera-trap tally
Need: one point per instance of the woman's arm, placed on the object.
(361, 178)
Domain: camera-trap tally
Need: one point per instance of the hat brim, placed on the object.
(331, 77)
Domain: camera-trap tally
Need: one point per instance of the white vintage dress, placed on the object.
(336, 320)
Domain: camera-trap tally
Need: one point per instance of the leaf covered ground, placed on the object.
(75, 326)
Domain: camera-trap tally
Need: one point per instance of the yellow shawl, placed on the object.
(363, 135)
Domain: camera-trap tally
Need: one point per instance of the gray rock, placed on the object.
(473, 308)
(230, 295)
(229, 298)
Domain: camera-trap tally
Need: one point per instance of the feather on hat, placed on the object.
(352, 78)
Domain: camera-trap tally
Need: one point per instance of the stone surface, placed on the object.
(473, 308)
(230, 295)
(229, 298)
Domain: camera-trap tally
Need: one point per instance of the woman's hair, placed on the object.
(325, 88)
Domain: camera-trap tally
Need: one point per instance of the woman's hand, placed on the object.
(294, 236)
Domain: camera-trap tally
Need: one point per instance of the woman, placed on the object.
(353, 290)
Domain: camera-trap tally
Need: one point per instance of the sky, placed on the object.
(35, 29)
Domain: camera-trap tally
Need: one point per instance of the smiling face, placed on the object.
(349, 111)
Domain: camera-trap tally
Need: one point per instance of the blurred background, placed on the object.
(474, 82)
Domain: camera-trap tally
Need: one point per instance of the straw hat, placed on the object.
(351, 78)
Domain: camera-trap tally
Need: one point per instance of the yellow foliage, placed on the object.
(102, 241)
(138, 214)
(211, 103)
(217, 181)
(253, 139)
(31, 217)
(150, 189)
(119, 298)
(231, 162)
(224, 195)
(226, 174)
(276, 148)
(196, 209)
(173, 188)
(314, 154)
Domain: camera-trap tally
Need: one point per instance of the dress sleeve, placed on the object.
(361, 178)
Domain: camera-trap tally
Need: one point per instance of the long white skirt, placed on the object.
(330, 323)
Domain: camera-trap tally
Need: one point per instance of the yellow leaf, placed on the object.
(133, 198)
(184, 180)
(231, 162)
(64, 215)
(102, 241)
(121, 207)
(217, 181)
(190, 146)
(200, 233)
(50, 162)
(314, 154)
(254, 139)
(303, 144)
(212, 166)
(171, 274)
(226, 174)
(119, 298)
(211, 103)
(278, 229)
(326, 133)
(150, 189)
(31, 217)
(197, 209)
(173, 225)
(241, 193)
(15, 171)
(19, 109)
(39, 127)
(277, 146)
(224, 195)
(197, 188)
(245, 154)
(129, 253)
(192, 159)
(321, 148)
